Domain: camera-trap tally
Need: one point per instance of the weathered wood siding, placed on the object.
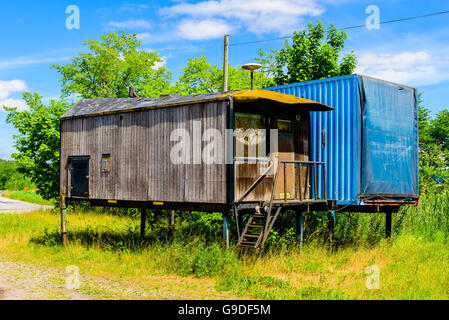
(139, 145)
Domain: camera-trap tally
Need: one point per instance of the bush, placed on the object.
(203, 260)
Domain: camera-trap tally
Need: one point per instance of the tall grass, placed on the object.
(106, 242)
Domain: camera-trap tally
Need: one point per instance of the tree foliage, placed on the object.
(11, 178)
(199, 76)
(113, 65)
(38, 142)
(313, 54)
(433, 146)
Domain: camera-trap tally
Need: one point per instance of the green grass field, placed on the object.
(413, 265)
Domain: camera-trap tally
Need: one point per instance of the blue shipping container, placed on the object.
(369, 142)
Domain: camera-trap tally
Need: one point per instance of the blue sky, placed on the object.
(34, 36)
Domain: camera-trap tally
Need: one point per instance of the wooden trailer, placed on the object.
(234, 152)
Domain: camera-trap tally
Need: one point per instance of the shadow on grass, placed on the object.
(128, 241)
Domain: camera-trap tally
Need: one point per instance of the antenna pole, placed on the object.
(252, 79)
(226, 63)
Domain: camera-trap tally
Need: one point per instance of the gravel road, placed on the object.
(14, 206)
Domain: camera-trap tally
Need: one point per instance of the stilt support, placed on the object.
(388, 215)
(171, 225)
(226, 229)
(300, 228)
(330, 227)
(143, 220)
(63, 206)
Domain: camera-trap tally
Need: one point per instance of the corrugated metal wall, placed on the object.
(389, 127)
(340, 129)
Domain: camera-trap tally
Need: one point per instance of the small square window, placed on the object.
(106, 163)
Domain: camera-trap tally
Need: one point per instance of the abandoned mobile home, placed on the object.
(255, 152)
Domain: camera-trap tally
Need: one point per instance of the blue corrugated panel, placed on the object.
(350, 178)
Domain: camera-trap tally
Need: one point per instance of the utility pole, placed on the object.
(226, 64)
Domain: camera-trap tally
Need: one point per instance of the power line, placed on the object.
(349, 28)
(403, 19)
(289, 37)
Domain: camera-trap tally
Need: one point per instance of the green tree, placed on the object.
(433, 145)
(38, 142)
(439, 129)
(313, 54)
(200, 76)
(113, 65)
(7, 169)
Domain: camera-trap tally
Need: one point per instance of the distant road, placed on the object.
(14, 206)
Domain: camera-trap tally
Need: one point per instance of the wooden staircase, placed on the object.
(258, 227)
(261, 221)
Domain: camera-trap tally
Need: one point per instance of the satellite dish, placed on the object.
(251, 66)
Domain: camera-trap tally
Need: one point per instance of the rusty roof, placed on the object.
(97, 107)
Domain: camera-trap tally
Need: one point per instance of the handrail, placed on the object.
(314, 173)
(313, 164)
(256, 183)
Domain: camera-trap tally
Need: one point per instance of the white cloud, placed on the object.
(202, 30)
(130, 24)
(415, 68)
(158, 65)
(9, 87)
(256, 16)
(144, 36)
(21, 62)
(15, 103)
(134, 8)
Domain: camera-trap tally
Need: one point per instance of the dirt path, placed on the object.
(14, 206)
(21, 281)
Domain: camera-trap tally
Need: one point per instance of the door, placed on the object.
(79, 177)
(285, 185)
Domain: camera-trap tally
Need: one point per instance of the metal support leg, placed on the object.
(226, 230)
(63, 206)
(300, 228)
(388, 215)
(143, 220)
(330, 228)
(171, 225)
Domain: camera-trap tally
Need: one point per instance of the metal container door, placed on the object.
(79, 177)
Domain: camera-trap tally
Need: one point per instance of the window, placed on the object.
(285, 136)
(250, 135)
(284, 126)
(106, 163)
